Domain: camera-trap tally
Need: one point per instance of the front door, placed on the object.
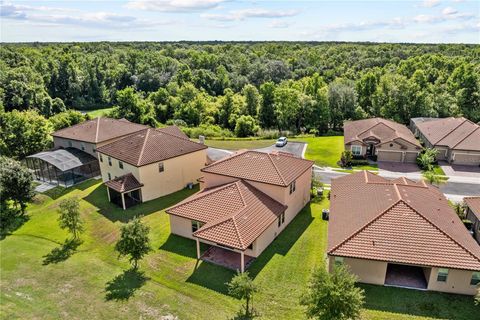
(370, 150)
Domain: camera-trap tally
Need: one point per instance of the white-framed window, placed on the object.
(356, 150)
(475, 278)
(292, 187)
(109, 176)
(120, 164)
(100, 157)
(338, 261)
(161, 167)
(442, 274)
(196, 225)
(281, 219)
(109, 161)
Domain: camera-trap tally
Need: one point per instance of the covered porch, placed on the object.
(124, 191)
(229, 258)
(407, 276)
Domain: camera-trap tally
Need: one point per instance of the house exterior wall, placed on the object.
(464, 157)
(181, 226)
(367, 271)
(114, 169)
(90, 148)
(211, 180)
(475, 224)
(458, 281)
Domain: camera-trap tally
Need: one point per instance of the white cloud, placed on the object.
(250, 13)
(449, 11)
(430, 3)
(447, 15)
(173, 5)
(279, 24)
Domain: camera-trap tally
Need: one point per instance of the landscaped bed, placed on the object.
(38, 281)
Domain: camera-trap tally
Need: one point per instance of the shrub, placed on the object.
(209, 131)
(346, 158)
(246, 126)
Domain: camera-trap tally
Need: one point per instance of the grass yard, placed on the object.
(41, 278)
(238, 144)
(99, 112)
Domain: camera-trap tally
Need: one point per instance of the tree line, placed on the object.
(244, 87)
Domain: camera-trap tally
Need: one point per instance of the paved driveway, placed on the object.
(460, 171)
(398, 167)
(295, 148)
(217, 154)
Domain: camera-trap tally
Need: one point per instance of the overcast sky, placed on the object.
(449, 21)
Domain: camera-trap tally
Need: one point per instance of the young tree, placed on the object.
(16, 183)
(246, 126)
(266, 112)
(242, 287)
(432, 178)
(333, 296)
(134, 241)
(69, 211)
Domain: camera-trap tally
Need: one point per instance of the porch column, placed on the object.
(198, 248)
(108, 193)
(123, 200)
(242, 262)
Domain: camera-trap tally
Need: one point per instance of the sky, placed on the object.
(424, 21)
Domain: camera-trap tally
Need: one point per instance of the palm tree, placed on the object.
(432, 178)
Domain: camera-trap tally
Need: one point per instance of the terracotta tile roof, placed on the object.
(474, 204)
(124, 183)
(235, 214)
(455, 133)
(149, 146)
(277, 168)
(381, 129)
(99, 130)
(401, 221)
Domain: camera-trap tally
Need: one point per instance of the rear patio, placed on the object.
(226, 258)
(405, 276)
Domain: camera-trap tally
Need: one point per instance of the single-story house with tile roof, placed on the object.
(246, 200)
(388, 140)
(89, 135)
(150, 163)
(456, 139)
(473, 214)
(400, 233)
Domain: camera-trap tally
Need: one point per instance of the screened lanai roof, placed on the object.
(65, 159)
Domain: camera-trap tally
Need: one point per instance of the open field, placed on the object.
(99, 112)
(41, 279)
(238, 144)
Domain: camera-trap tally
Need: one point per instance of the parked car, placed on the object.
(282, 141)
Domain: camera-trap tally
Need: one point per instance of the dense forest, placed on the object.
(239, 88)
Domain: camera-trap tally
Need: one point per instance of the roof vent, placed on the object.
(373, 242)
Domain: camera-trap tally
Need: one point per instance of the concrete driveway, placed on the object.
(460, 171)
(296, 148)
(398, 167)
(217, 154)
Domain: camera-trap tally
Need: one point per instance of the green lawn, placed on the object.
(238, 144)
(41, 279)
(99, 112)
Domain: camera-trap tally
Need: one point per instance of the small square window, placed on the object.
(356, 150)
(442, 275)
(82, 146)
(161, 167)
(109, 161)
(292, 187)
(196, 225)
(281, 219)
(338, 261)
(475, 278)
(100, 156)
(120, 164)
(109, 176)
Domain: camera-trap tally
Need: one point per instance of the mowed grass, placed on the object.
(238, 144)
(92, 283)
(99, 112)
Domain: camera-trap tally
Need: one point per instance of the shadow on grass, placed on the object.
(59, 191)
(111, 211)
(214, 277)
(62, 253)
(9, 224)
(419, 303)
(123, 286)
(181, 246)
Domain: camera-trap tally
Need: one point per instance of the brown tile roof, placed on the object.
(99, 130)
(149, 146)
(381, 129)
(474, 204)
(277, 168)
(235, 214)
(400, 221)
(455, 133)
(124, 183)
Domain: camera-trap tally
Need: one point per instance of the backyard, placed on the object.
(42, 279)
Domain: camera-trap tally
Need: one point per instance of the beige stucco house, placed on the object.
(473, 214)
(384, 139)
(245, 201)
(400, 233)
(456, 139)
(149, 164)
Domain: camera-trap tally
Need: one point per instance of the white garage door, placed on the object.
(466, 159)
(395, 156)
(411, 156)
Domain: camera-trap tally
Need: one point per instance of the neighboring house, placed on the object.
(74, 156)
(456, 139)
(388, 140)
(149, 164)
(400, 233)
(89, 135)
(473, 214)
(245, 201)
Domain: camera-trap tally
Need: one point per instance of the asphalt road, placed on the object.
(295, 148)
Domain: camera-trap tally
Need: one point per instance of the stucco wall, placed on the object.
(367, 271)
(115, 170)
(181, 226)
(211, 180)
(458, 281)
(90, 148)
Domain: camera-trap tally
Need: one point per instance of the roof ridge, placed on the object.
(276, 169)
(397, 191)
(170, 134)
(237, 232)
(365, 225)
(263, 193)
(98, 129)
(450, 132)
(230, 156)
(468, 135)
(143, 146)
(241, 194)
(442, 231)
